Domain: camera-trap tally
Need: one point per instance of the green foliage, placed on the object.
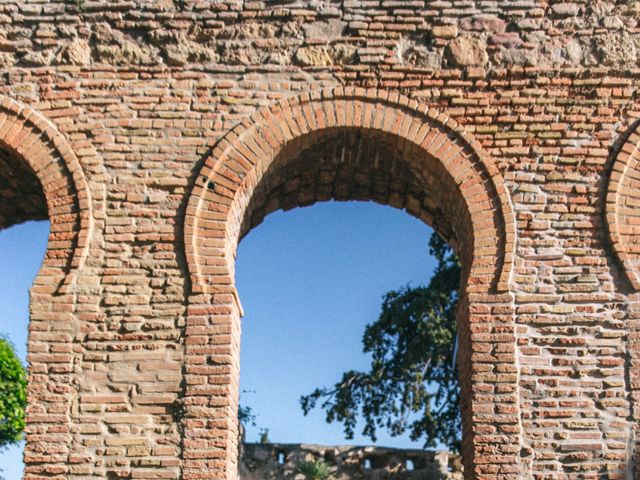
(412, 384)
(246, 416)
(313, 470)
(13, 395)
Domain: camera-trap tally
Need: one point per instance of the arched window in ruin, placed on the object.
(353, 145)
(40, 179)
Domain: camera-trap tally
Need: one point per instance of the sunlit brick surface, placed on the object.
(158, 133)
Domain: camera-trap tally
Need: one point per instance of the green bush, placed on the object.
(13, 395)
(313, 470)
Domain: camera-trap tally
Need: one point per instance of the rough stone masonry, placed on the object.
(154, 134)
(277, 461)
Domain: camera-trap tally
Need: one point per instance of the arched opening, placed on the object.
(357, 164)
(354, 164)
(23, 243)
(41, 178)
(311, 280)
(362, 148)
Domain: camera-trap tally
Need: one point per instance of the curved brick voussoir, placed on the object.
(46, 181)
(623, 206)
(237, 163)
(41, 178)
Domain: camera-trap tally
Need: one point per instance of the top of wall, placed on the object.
(277, 461)
(342, 35)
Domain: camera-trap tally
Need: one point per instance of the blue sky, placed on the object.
(21, 252)
(310, 279)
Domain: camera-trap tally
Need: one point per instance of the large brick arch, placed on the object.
(42, 175)
(235, 189)
(44, 152)
(239, 160)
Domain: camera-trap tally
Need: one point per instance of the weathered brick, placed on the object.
(513, 144)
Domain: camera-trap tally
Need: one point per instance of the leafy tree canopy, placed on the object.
(412, 384)
(13, 395)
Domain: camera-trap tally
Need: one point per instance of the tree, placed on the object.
(246, 416)
(412, 384)
(13, 395)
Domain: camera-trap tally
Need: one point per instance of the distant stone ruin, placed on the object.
(278, 461)
(155, 134)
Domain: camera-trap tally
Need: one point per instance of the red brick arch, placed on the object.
(40, 152)
(263, 164)
(236, 164)
(623, 207)
(35, 140)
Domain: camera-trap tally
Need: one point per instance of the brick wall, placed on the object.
(158, 133)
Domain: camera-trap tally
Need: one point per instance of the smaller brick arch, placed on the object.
(236, 165)
(265, 164)
(622, 207)
(42, 178)
(33, 141)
